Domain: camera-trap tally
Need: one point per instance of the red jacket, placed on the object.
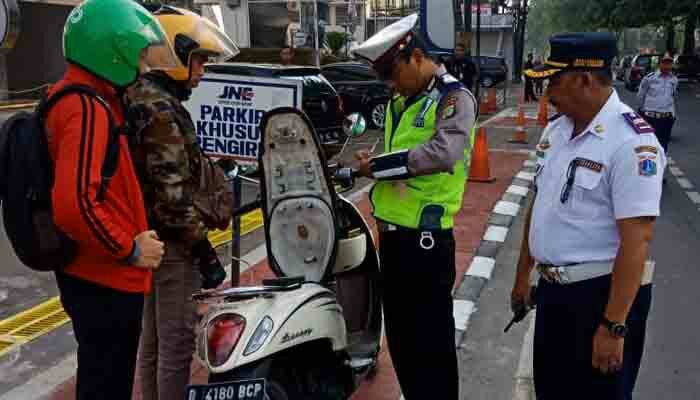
(104, 230)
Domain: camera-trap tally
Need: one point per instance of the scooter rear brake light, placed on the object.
(223, 333)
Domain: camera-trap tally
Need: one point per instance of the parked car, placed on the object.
(641, 66)
(493, 70)
(320, 101)
(686, 66)
(620, 68)
(360, 90)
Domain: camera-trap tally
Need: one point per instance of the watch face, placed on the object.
(619, 330)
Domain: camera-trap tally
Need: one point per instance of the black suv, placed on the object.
(360, 89)
(494, 70)
(320, 101)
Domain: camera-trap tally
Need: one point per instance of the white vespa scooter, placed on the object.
(315, 331)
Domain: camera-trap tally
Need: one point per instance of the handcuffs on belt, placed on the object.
(426, 241)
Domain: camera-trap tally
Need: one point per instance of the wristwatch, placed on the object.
(616, 329)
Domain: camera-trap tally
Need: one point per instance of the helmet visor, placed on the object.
(159, 53)
(212, 41)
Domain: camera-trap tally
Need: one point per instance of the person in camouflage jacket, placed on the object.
(169, 161)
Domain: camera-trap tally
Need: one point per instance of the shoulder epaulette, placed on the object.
(639, 124)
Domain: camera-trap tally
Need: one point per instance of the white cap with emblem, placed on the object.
(387, 42)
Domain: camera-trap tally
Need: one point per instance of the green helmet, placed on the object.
(114, 38)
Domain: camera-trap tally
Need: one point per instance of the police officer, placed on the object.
(656, 95)
(598, 189)
(420, 183)
(169, 164)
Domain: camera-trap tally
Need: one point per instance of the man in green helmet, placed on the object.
(107, 44)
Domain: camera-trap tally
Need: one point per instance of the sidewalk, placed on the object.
(470, 225)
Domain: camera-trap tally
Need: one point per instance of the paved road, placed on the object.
(490, 359)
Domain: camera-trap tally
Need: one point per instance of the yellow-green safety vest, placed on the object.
(419, 202)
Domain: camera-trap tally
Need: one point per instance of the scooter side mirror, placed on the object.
(354, 125)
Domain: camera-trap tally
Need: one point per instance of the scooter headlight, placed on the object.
(223, 333)
(262, 332)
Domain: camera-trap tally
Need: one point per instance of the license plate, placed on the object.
(253, 389)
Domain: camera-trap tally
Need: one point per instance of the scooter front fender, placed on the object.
(310, 313)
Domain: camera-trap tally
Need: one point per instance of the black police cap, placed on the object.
(587, 51)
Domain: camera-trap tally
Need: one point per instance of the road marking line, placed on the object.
(524, 376)
(462, 311)
(527, 176)
(685, 183)
(675, 171)
(694, 197)
(507, 208)
(529, 163)
(670, 161)
(496, 234)
(518, 190)
(481, 267)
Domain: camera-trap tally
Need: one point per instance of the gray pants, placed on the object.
(169, 318)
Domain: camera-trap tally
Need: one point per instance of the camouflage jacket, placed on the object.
(167, 157)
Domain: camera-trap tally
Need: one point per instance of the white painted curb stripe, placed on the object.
(685, 183)
(529, 163)
(463, 309)
(675, 171)
(527, 176)
(481, 267)
(506, 208)
(496, 234)
(518, 190)
(694, 197)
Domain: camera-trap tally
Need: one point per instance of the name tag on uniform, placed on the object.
(589, 164)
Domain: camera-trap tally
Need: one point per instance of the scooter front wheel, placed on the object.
(275, 391)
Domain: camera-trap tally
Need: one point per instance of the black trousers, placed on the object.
(662, 128)
(567, 318)
(107, 325)
(417, 298)
(529, 90)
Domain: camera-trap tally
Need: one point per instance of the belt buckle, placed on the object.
(554, 274)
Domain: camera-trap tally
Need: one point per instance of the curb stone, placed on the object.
(466, 296)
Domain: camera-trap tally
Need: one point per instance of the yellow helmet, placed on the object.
(190, 34)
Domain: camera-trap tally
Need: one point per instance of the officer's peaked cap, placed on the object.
(587, 51)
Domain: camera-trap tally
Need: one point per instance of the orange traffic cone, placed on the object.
(492, 100)
(519, 136)
(542, 117)
(479, 171)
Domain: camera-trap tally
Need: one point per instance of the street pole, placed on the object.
(316, 44)
(467, 16)
(478, 49)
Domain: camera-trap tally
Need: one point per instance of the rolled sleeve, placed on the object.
(637, 178)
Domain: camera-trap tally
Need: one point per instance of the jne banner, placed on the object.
(227, 111)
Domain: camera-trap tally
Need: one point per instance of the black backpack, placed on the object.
(26, 180)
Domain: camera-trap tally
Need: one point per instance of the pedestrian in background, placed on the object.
(539, 83)
(172, 170)
(529, 86)
(107, 43)
(287, 56)
(462, 67)
(657, 100)
(420, 185)
(597, 195)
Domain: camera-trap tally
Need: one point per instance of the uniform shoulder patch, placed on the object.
(639, 124)
(449, 107)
